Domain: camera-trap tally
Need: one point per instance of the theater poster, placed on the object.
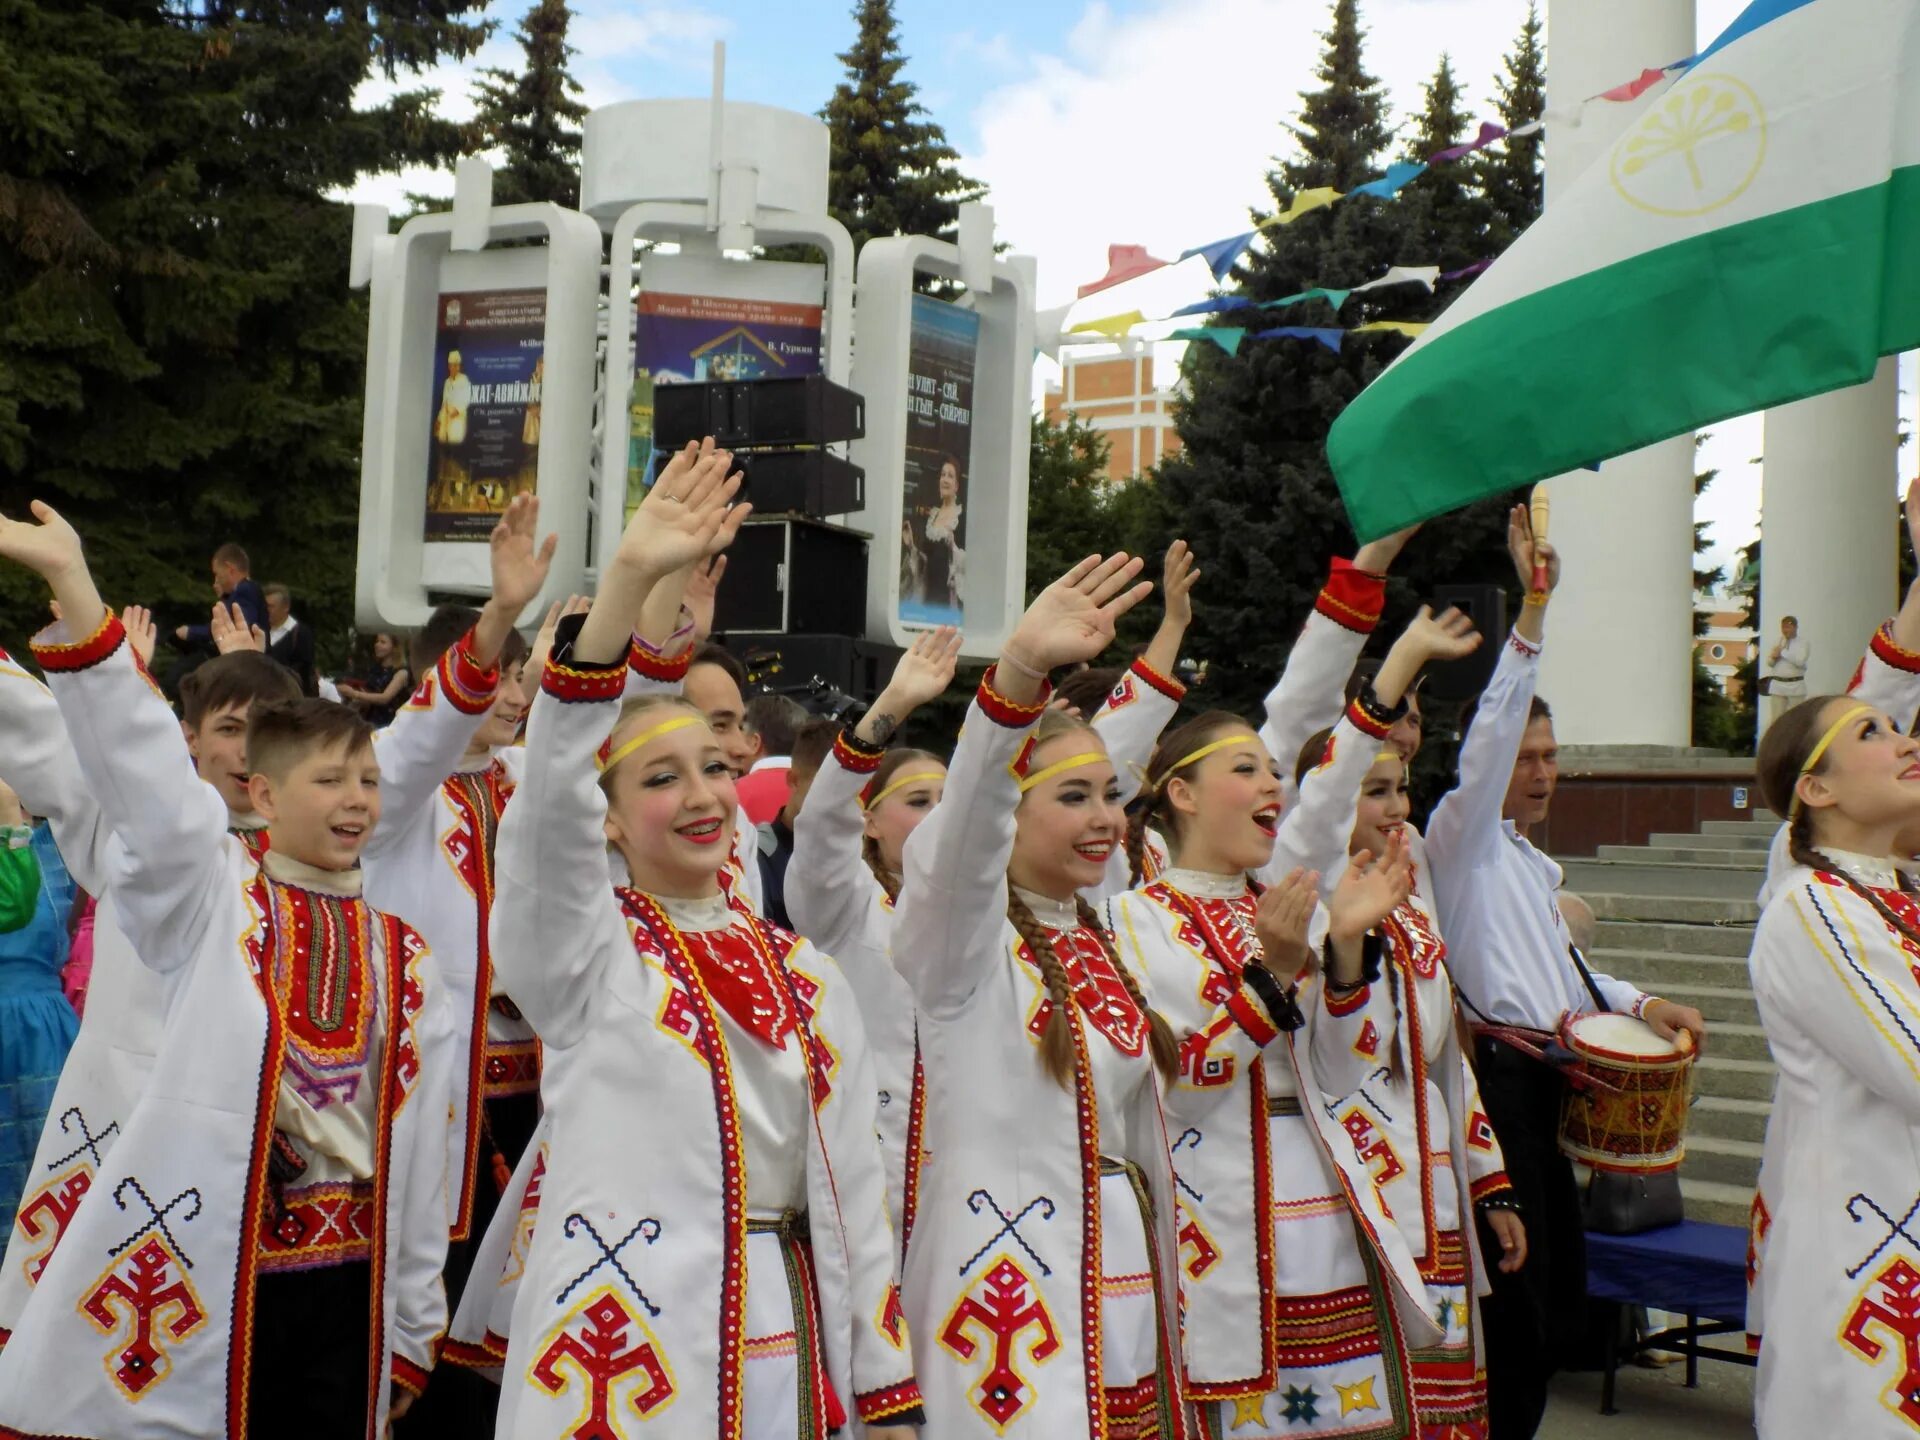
(486, 409)
(933, 511)
(716, 320)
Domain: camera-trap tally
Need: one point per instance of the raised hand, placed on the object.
(702, 594)
(686, 516)
(1376, 557)
(1370, 890)
(1178, 573)
(230, 631)
(1073, 618)
(46, 544)
(1525, 550)
(543, 638)
(1281, 920)
(926, 669)
(520, 561)
(141, 634)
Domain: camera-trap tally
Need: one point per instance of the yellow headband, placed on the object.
(1203, 752)
(1072, 762)
(1813, 755)
(665, 727)
(901, 784)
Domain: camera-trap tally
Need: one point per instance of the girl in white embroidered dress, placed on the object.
(1834, 971)
(1039, 1265)
(718, 1269)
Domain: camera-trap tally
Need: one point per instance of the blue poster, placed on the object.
(933, 520)
(485, 443)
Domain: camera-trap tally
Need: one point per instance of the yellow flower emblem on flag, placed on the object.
(1694, 151)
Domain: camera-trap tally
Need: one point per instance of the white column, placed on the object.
(1830, 528)
(1618, 663)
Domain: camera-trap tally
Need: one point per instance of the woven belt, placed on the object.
(1284, 1105)
(790, 1226)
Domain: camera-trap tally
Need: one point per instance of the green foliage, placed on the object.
(1717, 720)
(1510, 175)
(535, 116)
(892, 170)
(1251, 489)
(181, 362)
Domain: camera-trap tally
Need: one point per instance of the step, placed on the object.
(1721, 1004)
(1728, 1117)
(1736, 1040)
(1617, 935)
(1726, 1162)
(1717, 1203)
(1753, 862)
(1735, 1079)
(1748, 837)
(1683, 909)
(1652, 878)
(1759, 818)
(1656, 970)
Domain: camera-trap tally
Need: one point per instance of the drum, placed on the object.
(1626, 1105)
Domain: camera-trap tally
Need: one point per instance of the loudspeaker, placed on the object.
(801, 482)
(808, 666)
(743, 414)
(1486, 606)
(788, 576)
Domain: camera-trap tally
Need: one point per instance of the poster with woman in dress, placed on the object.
(941, 357)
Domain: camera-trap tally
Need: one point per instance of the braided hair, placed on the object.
(1783, 756)
(1056, 1041)
(1150, 809)
(890, 765)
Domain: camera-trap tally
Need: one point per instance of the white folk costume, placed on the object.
(300, 1030)
(1039, 1274)
(1838, 994)
(1306, 700)
(836, 902)
(1300, 1298)
(1389, 1060)
(709, 1105)
(1138, 708)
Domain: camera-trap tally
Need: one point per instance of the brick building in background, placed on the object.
(1115, 395)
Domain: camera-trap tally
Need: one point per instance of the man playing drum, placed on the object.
(1513, 967)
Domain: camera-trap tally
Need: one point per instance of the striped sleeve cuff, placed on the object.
(409, 1376)
(1525, 646)
(1002, 711)
(1340, 1006)
(571, 682)
(1352, 598)
(1367, 722)
(469, 688)
(1889, 653)
(1488, 1186)
(1261, 1008)
(854, 755)
(1168, 687)
(81, 654)
(665, 669)
(894, 1405)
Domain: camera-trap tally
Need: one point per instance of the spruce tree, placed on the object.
(892, 170)
(1444, 212)
(534, 116)
(181, 362)
(1510, 173)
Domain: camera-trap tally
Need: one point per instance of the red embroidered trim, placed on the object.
(853, 759)
(1494, 1184)
(1251, 1016)
(1890, 653)
(325, 1225)
(468, 688)
(667, 669)
(512, 1068)
(1172, 689)
(1344, 1005)
(82, 654)
(253, 1214)
(489, 1354)
(572, 684)
(916, 1128)
(1365, 723)
(1352, 598)
(1002, 711)
(1525, 647)
(408, 1375)
(877, 1405)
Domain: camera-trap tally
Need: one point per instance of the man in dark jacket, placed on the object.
(288, 640)
(234, 585)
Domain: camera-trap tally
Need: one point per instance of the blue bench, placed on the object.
(1692, 1269)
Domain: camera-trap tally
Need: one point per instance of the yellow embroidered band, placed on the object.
(901, 784)
(665, 727)
(1072, 762)
(1813, 755)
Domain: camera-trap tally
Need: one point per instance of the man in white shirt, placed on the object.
(1513, 965)
(288, 641)
(1787, 669)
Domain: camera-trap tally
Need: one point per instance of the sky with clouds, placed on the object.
(1092, 122)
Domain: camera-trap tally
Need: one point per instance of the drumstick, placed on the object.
(1542, 508)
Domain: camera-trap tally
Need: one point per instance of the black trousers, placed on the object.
(309, 1370)
(1535, 1319)
(462, 1402)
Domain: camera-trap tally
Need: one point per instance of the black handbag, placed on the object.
(1617, 1203)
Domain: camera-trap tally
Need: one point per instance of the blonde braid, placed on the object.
(870, 852)
(1056, 1041)
(1160, 1042)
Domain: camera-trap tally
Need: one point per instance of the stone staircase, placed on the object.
(1676, 918)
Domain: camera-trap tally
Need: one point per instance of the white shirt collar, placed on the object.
(343, 884)
(281, 631)
(1874, 870)
(1204, 884)
(1054, 914)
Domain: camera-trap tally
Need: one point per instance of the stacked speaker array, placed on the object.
(794, 604)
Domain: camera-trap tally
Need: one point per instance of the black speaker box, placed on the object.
(788, 576)
(800, 665)
(801, 482)
(1461, 680)
(743, 414)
